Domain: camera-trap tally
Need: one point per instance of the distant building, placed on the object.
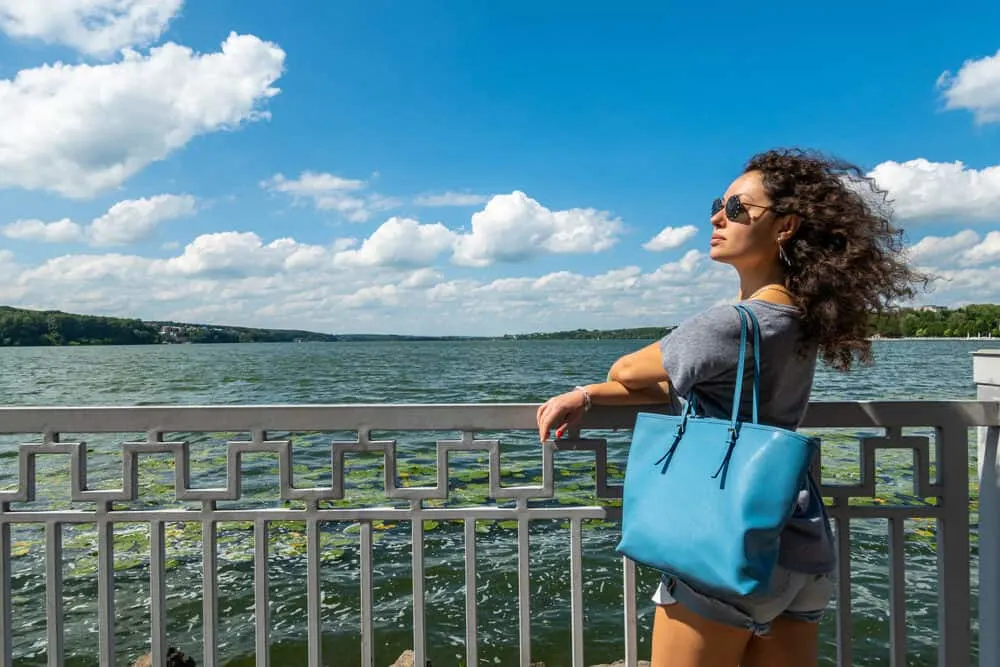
(171, 334)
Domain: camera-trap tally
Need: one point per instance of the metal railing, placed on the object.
(940, 475)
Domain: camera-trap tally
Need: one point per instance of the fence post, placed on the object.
(986, 373)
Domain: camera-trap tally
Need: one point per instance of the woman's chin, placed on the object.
(717, 253)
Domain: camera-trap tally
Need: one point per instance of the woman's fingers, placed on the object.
(550, 416)
(573, 418)
(559, 413)
(550, 420)
(542, 417)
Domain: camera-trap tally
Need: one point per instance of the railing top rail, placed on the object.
(443, 416)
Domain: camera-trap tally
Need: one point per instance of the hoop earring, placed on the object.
(782, 256)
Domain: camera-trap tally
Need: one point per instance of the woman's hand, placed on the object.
(561, 413)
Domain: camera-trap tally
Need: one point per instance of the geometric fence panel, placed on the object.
(938, 477)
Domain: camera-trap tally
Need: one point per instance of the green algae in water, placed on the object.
(574, 487)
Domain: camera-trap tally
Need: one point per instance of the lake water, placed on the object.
(394, 372)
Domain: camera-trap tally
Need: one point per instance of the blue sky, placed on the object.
(447, 167)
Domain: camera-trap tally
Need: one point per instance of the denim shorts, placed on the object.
(795, 595)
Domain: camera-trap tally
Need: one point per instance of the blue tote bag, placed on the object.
(705, 499)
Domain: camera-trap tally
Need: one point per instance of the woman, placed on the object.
(815, 259)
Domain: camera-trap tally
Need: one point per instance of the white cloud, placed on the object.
(83, 269)
(451, 291)
(126, 222)
(986, 251)
(242, 254)
(965, 266)
(975, 87)
(617, 298)
(671, 237)
(328, 192)
(61, 231)
(312, 184)
(425, 277)
(216, 279)
(921, 189)
(135, 219)
(682, 269)
(400, 242)
(959, 286)
(382, 295)
(451, 199)
(515, 227)
(303, 257)
(7, 265)
(963, 249)
(81, 129)
(510, 228)
(932, 247)
(619, 279)
(94, 27)
(10, 291)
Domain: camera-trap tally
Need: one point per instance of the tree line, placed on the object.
(939, 322)
(32, 327)
(22, 327)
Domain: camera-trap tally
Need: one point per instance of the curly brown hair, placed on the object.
(845, 260)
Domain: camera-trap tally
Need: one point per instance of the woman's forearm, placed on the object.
(615, 393)
(640, 369)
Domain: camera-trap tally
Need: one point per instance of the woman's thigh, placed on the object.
(682, 638)
(790, 643)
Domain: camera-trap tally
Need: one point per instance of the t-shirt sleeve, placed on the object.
(701, 348)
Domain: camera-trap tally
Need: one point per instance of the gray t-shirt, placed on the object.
(700, 357)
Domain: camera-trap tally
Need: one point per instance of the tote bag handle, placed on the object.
(745, 313)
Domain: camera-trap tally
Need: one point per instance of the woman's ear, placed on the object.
(788, 226)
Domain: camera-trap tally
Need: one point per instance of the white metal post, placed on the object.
(986, 372)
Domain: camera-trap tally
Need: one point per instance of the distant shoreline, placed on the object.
(20, 327)
(348, 339)
(911, 338)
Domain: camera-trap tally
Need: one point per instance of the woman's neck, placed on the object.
(752, 282)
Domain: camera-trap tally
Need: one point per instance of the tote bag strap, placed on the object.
(734, 414)
(734, 427)
(755, 323)
(746, 314)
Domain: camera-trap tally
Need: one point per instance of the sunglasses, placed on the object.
(736, 210)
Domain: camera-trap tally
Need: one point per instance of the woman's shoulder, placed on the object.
(723, 320)
(774, 308)
(726, 315)
(717, 320)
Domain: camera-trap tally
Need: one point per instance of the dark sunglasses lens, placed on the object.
(734, 208)
(716, 205)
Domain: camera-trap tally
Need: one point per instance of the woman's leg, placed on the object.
(682, 638)
(790, 643)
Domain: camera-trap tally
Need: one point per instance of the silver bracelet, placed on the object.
(586, 397)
